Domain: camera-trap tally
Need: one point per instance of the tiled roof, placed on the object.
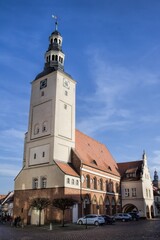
(129, 167)
(66, 168)
(94, 154)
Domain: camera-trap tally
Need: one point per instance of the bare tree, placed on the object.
(40, 204)
(63, 204)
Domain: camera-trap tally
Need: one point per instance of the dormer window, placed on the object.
(94, 162)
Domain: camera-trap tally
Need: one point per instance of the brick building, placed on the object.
(60, 161)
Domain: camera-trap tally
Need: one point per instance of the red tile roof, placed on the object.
(126, 167)
(94, 154)
(66, 168)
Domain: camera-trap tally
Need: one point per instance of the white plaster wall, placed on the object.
(24, 180)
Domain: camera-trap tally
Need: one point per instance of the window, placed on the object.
(66, 93)
(44, 127)
(68, 180)
(42, 93)
(126, 192)
(43, 154)
(52, 57)
(88, 181)
(72, 181)
(55, 40)
(34, 155)
(77, 182)
(107, 186)
(95, 183)
(133, 192)
(101, 184)
(44, 182)
(117, 188)
(35, 183)
(65, 106)
(36, 128)
(110, 186)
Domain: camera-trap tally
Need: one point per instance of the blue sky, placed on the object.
(112, 50)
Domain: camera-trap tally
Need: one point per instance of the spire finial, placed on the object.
(56, 22)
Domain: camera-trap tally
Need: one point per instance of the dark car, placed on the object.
(134, 216)
(108, 219)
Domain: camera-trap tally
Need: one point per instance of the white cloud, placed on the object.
(9, 170)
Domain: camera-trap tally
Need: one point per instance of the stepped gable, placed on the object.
(94, 154)
(67, 168)
(129, 168)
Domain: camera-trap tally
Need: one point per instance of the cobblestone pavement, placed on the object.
(141, 230)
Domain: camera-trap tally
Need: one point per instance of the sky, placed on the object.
(112, 50)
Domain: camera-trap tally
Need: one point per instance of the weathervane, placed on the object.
(56, 22)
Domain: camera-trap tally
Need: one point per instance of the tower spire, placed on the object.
(56, 22)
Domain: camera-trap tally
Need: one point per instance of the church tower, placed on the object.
(51, 127)
(51, 130)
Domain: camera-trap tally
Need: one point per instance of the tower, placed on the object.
(51, 130)
(51, 126)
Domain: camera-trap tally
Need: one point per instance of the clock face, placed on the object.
(43, 83)
(66, 83)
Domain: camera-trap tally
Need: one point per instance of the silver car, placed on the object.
(123, 217)
(91, 219)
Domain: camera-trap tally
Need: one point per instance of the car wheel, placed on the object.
(80, 222)
(96, 223)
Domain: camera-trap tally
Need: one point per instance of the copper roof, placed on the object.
(66, 168)
(94, 154)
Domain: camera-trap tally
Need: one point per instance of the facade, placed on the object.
(60, 161)
(156, 192)
(6, 206)
(137, 188)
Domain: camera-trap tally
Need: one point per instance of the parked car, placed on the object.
(123, 217)
(134, 216)
(108, 219)
(91, 219)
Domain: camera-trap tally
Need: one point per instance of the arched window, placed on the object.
(51, 40)
(117, 187)
(59, 42)
(101, 184)
(95, 183)
(56, 58)
(44, 182)
(52, 57)
(36, 128)
(73, 181)
(55, 40)
(107, 186)
(88, 181)
(35, 183)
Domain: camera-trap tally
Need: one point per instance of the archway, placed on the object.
(87, 205)
(113, 206)
(101, 205)
(129, 208)
(152, 211)
(107, 205)
(34, 216)
(95, 206)
(147, 212)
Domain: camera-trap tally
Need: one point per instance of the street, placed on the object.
(142, 229)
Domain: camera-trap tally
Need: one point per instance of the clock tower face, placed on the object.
(66, 83)
(43, 83)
